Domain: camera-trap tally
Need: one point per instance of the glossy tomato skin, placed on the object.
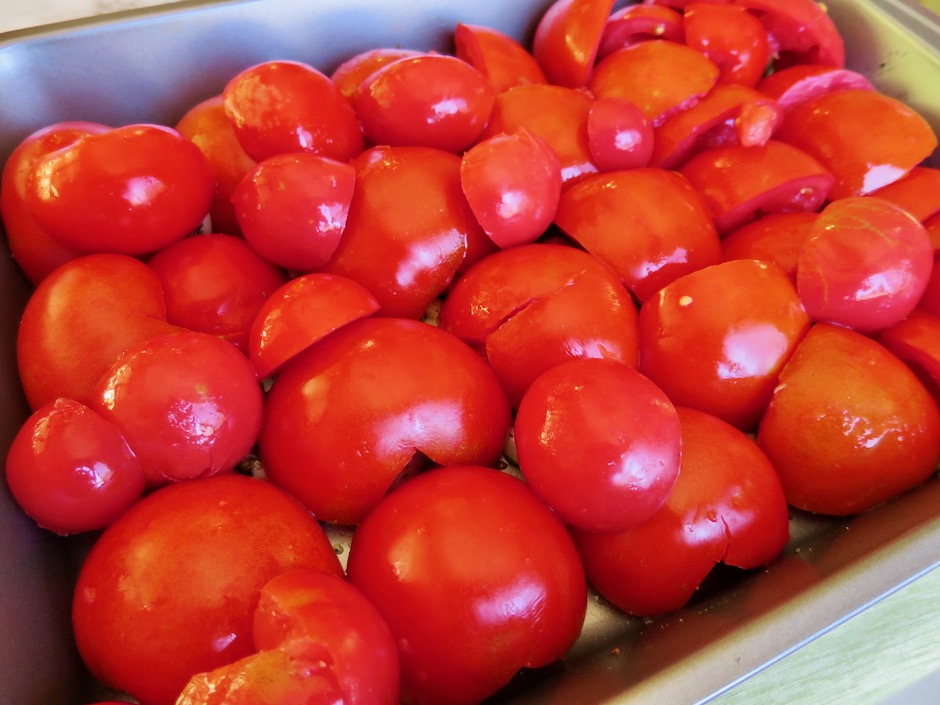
(522, 606)
(71, 470)
(850, 425)
(132, 190)
(727, 506)
(350, 74)
(168, 590)
(499, 57)
(619, 135)
(215, 284)
(567, 38)
(188, 403)
(430, 100)
(34, 250)
(344, 418)
(733, 38)
(717, 339)
(279, 107)
(599, 443)
(81, 319)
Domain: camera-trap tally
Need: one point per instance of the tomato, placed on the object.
(81, 319)
(207, 126)
(168, 590)
(293, 208)
(350, 74)
(775, 238)
(599, 443)
(557, 114)
(130, 190)
(802, 82)
(866, 139)
(521, 605)
(301, 312)
(731, 37)
(72, 471)
(716, 339)
(409, 390)
(660, 76)
(430, 100)
(279, 107)
(406, 250)
(215, 284)
(865, 264)
(188, 404)
(33, 249)
(741, 183)
(916, 341)
(637, 23)
(850, 425)
(512, 183)
(649, 225)
(800, 31)
(727, 506)
(311, 604)
(499, 57)
(567, 38)
(917, 192)
(619, 135)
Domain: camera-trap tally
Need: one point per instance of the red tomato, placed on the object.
(865, 264)
(33, 249)
(930, 300)
(168, 590)
(802, 82)
(649, 225)
(660, 76)
(215, 284)
(731, 37)
(557, 114)
(774, 238)
(717, 339)
(849, 426)
(619, 135)
(430, 100)
(350, 74)
(188, 404)
(207, 126)
(293, 208)
(599, 443)
(81, 319)
(408, 227)
(318, 606)
(801, 32)
(72, 471)
(916, 341)
(521, 605)
(918, 192)
(301, 312)
(727, 506)
(637, 23)
(866, 139)
(567, 38)
(407, 388)
(131, 190)
(279, 107)
(741, 183)
(512, 183)
(499, 57)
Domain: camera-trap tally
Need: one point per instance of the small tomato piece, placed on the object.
(350, 74)
(796, 84)
(567, 38)
(800, 31)
(917, 192)
(499, 57)
(620, 136)
(637, 23)
(774, 238)
(733, 38)
(916, 341)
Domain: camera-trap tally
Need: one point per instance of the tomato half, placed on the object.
(499, 57)
(567, 38)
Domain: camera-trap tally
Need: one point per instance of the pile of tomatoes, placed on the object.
(672, 266)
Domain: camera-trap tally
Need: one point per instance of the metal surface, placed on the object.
(152, 65)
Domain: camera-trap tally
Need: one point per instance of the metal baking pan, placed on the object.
(152, 65)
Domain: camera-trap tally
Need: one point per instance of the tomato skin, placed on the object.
(350, 74)
(81, 319)
(717, 339)
(132, 190)
(168, 590)
(311, 604)
(865, 264)
(407, 387)
(800, 31)
(916, 341)
(430, 100)
(279, 107)
(727, 506)
(918, 192)
(567, 38)
(499, 57)
(637, 23)
(797, 84)
(599, 443)
(648, 225)
(207, 126)
(619, 135)
(215, 284)
(72, 471)
(521, 607)
(866, 139)
(293, 208)
(733, 38)
(775, 238)
(34, 250)
(850, 426)
(189, 405)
